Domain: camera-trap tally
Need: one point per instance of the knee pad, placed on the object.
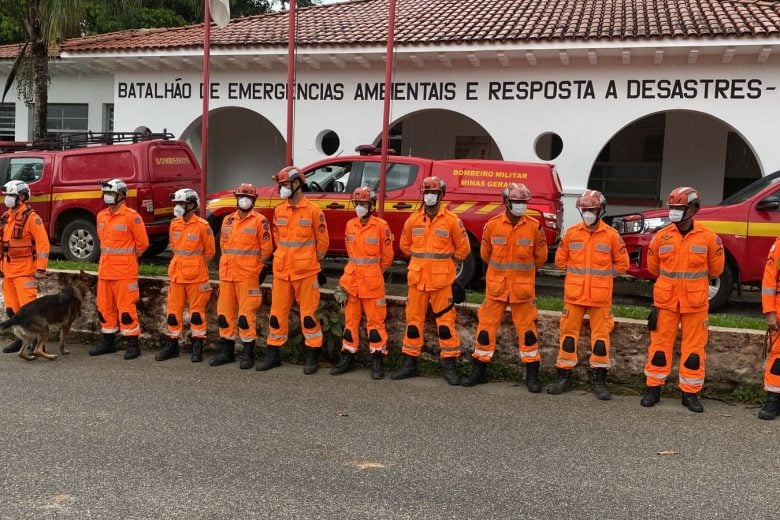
(444, 332)
(100, 316)
(274, 322)
(126, 318)
(222, 321)
(347, 335)
(412, 332)
(659, 359)
(196, 319)
(10, 313)
(172, 321)
(373, 336)
(775, 370)
(483, 338)
(308, 322)
(600, 348)
(568, 344)
(530, 339)
(693, 362)
(243, 323)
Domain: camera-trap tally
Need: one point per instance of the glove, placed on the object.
(322, 279)
(263, 273)
(458, 293)
(652, 319)
(340, 295)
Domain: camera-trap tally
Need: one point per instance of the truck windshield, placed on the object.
(751, 189)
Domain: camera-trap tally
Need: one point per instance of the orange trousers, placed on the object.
(375, 310)
(117, 312)
(18, 290)
(306, 293)
(772, 370)
(243, 298)
(692, 355)
(179, 295)
(601, 324)
(416, 307)
(524, 315)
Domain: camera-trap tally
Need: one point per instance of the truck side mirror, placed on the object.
(771, 203)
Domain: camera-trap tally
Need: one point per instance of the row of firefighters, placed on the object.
(684, 256)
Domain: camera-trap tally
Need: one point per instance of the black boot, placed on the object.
(378, 365)
(450, 371)
(197, 350)
(16, 346)
(691, 402)
(651, 396)
(771, 407)
(132, 350)
(227, 353)
(311, 360)
(407, 370)
(532, 377)
(106, 345)
(171, 350)
(562, 383)
(247, 355)
(600, 384)
(271, 359)
(346, 361)
(478, 375)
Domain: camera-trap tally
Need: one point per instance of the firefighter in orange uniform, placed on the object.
(362, 287)
(436, 241)
(684, 256)
(513, 248)
(301, 237)
(25, 252)
(592, 253)
(123, 240)
(245, 242)
(192, 243)
(770, 299)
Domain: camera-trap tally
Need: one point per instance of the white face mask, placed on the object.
(676, 215)
(431, 199)
(589, 217)
(109, 199)
(361, 211)
(518, 208)
(244, 203)
(10, 201)
(285, 192)
(179, 211)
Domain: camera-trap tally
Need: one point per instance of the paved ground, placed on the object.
(107, 438)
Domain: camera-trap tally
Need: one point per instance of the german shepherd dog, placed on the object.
(31, 323)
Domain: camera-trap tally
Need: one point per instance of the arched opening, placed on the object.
(650, 156)
(243, 147)
(441, 134)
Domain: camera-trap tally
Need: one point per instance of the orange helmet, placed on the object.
(591, 199)
(288, 174)
(433, 184)
(245, 189)
(363, 194)
(684, 196)
(516, 191)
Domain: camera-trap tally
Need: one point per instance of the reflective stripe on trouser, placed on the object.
(116, 301)
(18, 290)
(197, 296)
(306, 293)
(236, 299)
(416, 308)
(375, 310)
(490, 314)
(772, 370)
(694, 341)
(601, 324)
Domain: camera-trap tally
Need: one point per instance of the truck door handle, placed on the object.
(402, 205)
(335, 205)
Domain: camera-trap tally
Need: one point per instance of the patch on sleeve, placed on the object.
(322, 217)
(321, 227)
(718, 240)
(137, 220)
(266, 226)
(38, 221)
(266, 236)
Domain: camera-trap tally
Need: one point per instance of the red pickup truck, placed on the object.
(473, 193)
(748, 222)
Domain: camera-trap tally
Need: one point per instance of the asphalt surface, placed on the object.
(108, 438)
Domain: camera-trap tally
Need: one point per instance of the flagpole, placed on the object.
(386, 108)
(288, 157)
(204, 133)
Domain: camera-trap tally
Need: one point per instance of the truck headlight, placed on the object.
(654, 224)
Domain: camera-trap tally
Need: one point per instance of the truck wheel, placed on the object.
(720, 288)
(80, 242)
(465, 272)
(216, 227)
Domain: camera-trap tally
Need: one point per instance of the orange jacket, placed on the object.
(512, 253)
(591, 260)
(245, 246)
(25, 245)
(370, 250)
(123, 239)
(684, 266)
(192, 244)
(301, 236)
(770, 285)
(434, 246)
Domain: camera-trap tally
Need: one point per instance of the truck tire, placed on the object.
(468, 269)
(155, 248)
(216, 227)
(720, 289)
(80, 241)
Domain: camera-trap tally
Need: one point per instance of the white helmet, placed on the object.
(16, 188)
(185, 195)
(115, 186)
